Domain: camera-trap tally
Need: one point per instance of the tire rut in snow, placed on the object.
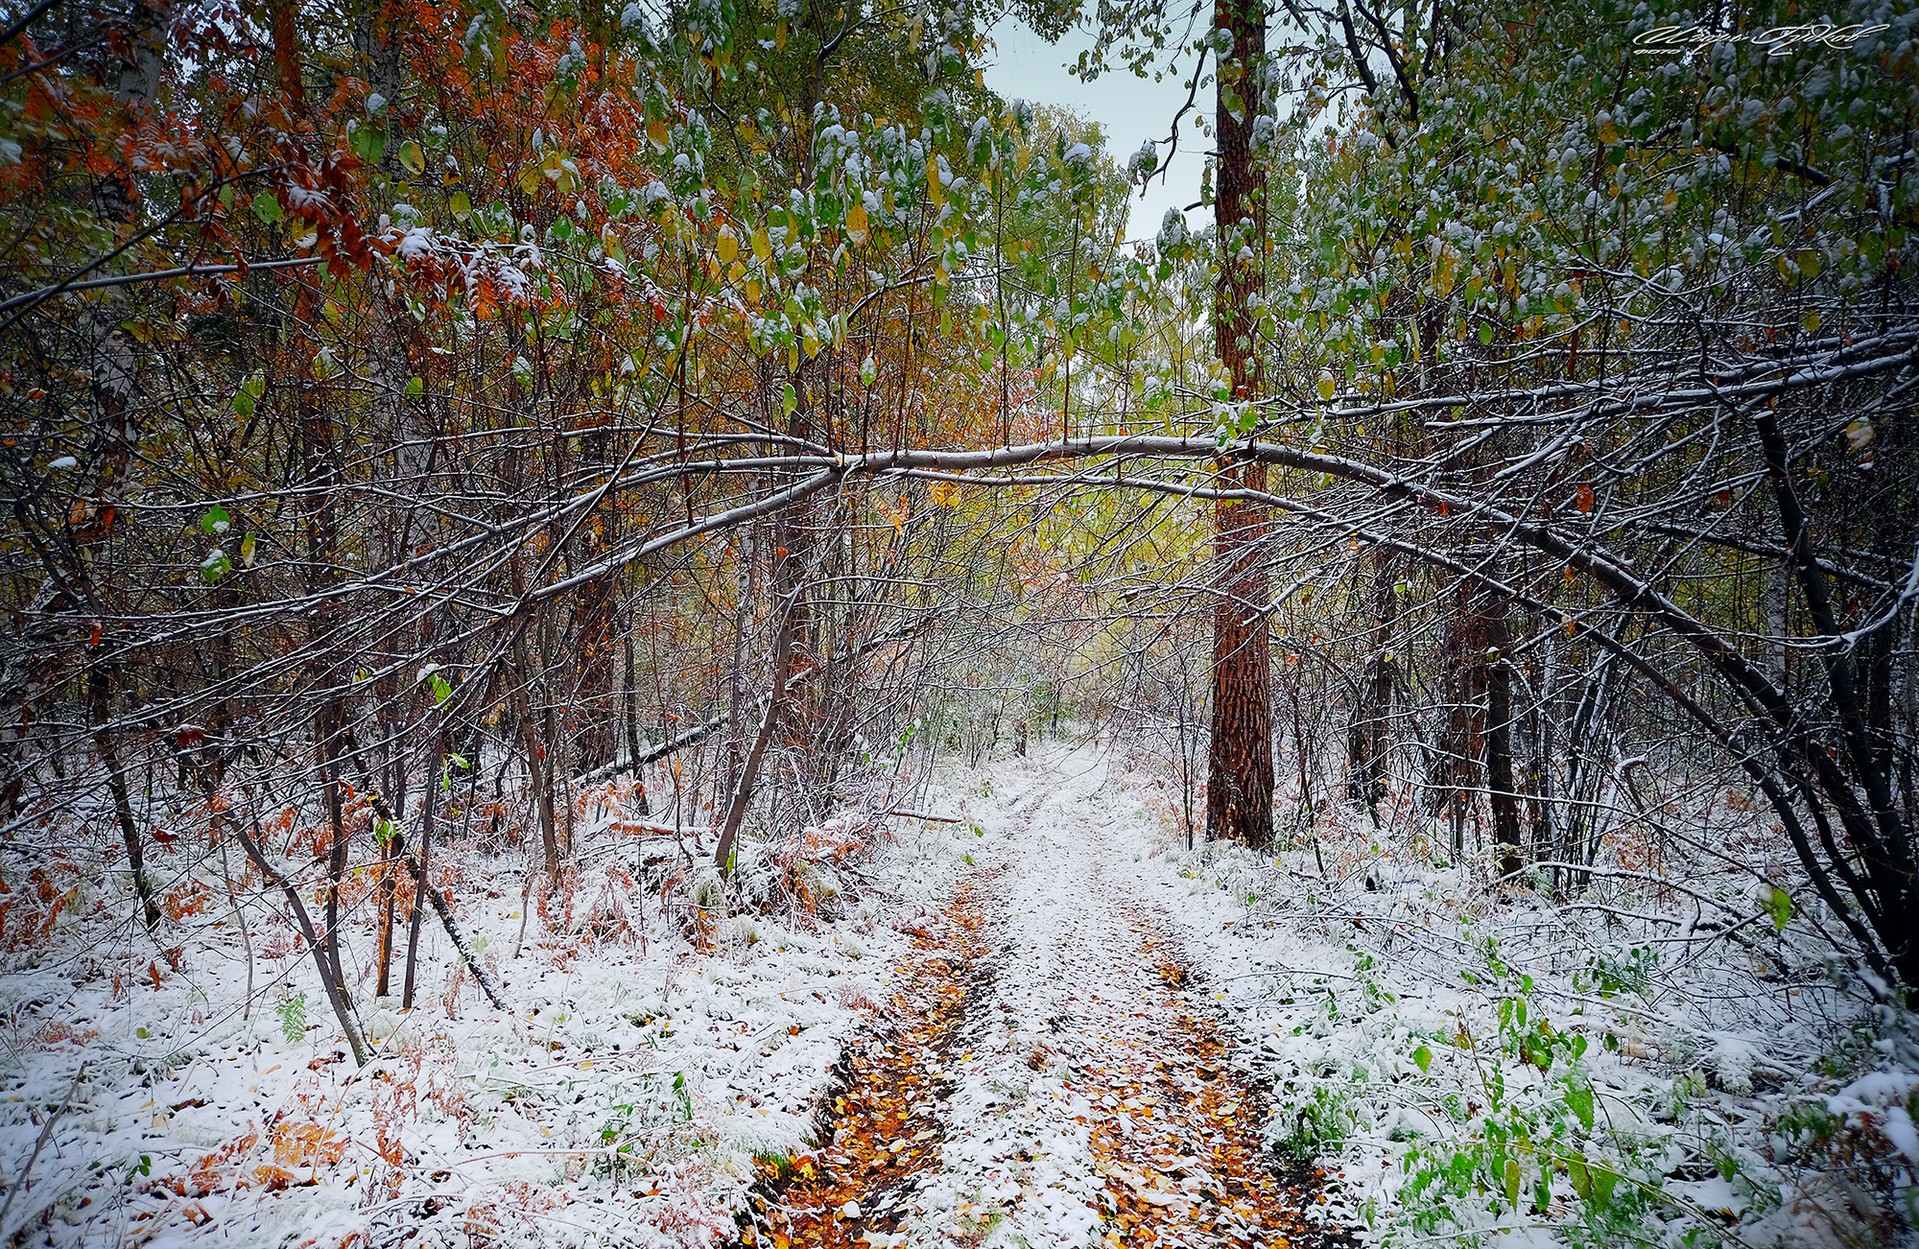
(882, 1115)
(1178, 1145)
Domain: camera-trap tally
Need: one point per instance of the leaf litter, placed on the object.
(1049, 1074)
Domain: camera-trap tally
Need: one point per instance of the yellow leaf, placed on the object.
(728, 245)
(934, 191)
(530, 179)
(762, 244)
(1326, 388)
(856, 224)
(753, 292)
(656, 133)
(1608, 133)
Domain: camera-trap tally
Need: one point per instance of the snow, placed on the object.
(621, 1102)
(415, 244)
(655, 1050)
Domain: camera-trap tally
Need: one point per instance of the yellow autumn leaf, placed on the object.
(1326, 388)
(762, 244)
(727, 244)
(1608, 133)
(856, 224)
(656, 133)
(934, 191)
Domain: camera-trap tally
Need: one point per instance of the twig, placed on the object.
(452, 930)
(46, 1133)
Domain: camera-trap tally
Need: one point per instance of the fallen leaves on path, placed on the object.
(886, 1127)
(1178, 1142)
(1173, 1128)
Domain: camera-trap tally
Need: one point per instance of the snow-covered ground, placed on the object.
(1085, 1103)
(621, 1101)
(1626, 1069)
(1144, 1019)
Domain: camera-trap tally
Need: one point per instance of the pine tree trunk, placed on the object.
(1239, 793)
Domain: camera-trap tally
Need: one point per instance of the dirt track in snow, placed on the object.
(1047, 1073)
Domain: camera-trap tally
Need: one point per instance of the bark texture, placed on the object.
(1239, 792)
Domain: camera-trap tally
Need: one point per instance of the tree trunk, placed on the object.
(1239, 793)
(122, 804)
(1501, 791)
(749, 769)
(1366, 776)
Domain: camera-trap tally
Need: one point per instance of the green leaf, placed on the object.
(1512, 1182)
(266, 206)
(441, 690)
(1422, 1058)
(1779, 906)
(789, 399)
(1582, 1179)
(216, 520)
(1485, 334)
(868, 371)
(1580, 1098)
(215, 566)
(460, 205)
(415, 387)
(248, 396)
(368, 142)
(1604, 1180)
(412, 157)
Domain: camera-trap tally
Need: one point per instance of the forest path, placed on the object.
(1046, 1076)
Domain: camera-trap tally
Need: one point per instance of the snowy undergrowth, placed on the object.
(654, 1047)
(1475, 1067)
